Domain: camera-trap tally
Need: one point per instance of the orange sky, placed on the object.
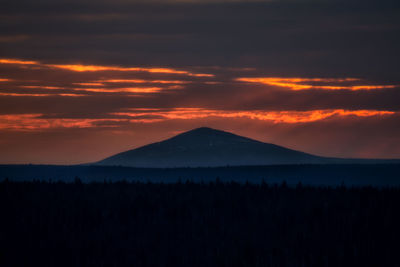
(75, 113)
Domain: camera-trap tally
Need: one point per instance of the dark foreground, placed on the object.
(185, 224)
(378, 175)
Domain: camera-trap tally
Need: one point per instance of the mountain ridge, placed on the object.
(207, 147)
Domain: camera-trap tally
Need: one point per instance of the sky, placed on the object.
(82, 80)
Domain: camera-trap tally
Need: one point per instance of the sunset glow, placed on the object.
(18, 62)
(93, 68)
(121, 99)
(274, 116)
(26, 122)
(122, 90)
(41, 87)
(90, 84)
(143, 81)
(40, 95)
(296, 84)
(40, 122)
(105, 76)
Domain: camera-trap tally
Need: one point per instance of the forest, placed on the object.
(197, 224)
(378, 175)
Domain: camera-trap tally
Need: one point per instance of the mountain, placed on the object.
(206, 147)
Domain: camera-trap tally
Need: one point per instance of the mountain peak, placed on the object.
(205, 130)
(208, 147)
(205, 136)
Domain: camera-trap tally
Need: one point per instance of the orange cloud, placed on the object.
(273, 116)
(24, 122)
(305, 116)
(71, 95)
(358, 87)
(300, 83)
(41, 87)
(18, 62)
(122, 90)
(94, 68)
(90, 84)
(15, 94)
(172, 71)
(83, 68)
(144, 81)
(5, 80)
(40, 95)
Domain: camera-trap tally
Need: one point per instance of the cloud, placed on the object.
(83, 68)
(273, 116)
(41, 87)
(30, 90)
(42, 122)
(18, 62)
(27, 122)
(90, 84)
(143, 81)
(123, 90)
(332, 38)
(174, 66)
(296, 84)
(94, 68)
(39, 95)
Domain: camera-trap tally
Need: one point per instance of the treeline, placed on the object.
(317, 175)
(188, 224)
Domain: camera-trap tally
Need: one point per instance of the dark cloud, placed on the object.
(281, 37)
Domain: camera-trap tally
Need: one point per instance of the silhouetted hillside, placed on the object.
(205, 147)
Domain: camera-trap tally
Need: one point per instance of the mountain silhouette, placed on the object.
(206, 147)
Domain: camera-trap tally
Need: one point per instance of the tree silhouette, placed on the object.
(197, 224)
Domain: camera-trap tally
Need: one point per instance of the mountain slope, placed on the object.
(206, 147)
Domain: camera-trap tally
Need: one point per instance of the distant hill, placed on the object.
(206, 147)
